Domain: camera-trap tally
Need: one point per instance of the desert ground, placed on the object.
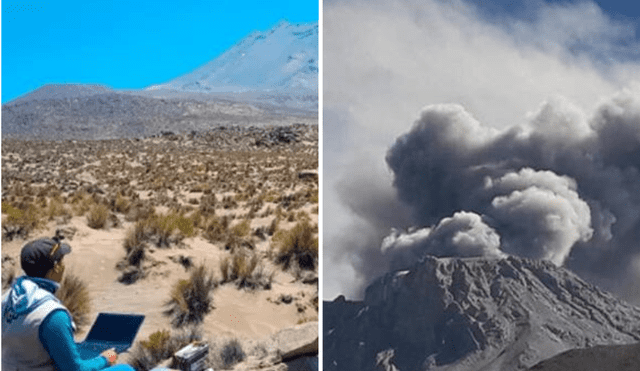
(161, 225)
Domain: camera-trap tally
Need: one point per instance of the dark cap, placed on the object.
(39, 256)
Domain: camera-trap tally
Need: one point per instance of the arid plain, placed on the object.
(227, 216)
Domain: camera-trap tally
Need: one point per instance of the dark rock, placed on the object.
(464, 314)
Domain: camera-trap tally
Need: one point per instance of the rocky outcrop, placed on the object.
(473, 314)
(297, 341)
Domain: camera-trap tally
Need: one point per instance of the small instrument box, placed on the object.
(192, 357)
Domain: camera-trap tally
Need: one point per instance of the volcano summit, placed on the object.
(460, 314)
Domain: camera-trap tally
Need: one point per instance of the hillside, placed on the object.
(460, 314)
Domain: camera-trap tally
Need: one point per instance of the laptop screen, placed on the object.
(115, 327)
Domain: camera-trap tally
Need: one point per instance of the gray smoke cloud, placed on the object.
(494, 171)
(464, 234)
(564, 187)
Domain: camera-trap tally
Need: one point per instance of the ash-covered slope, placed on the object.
(473, 314)
(599, 358)
(280, 64)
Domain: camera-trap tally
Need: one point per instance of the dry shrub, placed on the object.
(160, 345)
(20, 221)
(242, 265)
(216, 229)
(135, 255)
(74, 295)
(242, 229)
(139, 211)
(306, 319)
(97, 218)
(57, 208)
(231, 353)
(225, 271)
(135, 237)
(121, 204)
(233, 243)
(314, 198)
(163, 230)
(166, 225)
(81, 202)
(303, 215)
(298, 246)
(229, 202)
(273, 227)
(191, 299)
(245, 270)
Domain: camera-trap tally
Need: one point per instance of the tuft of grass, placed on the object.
(121, 204)
(163, 230)
(225, 271)
(216, 229)
(139, 211)
(306, 319)
(245, 270)
(74, 295)
(20, 221)
(191, 299)
(160, 345)
(57, 208)
(82, 202)
(208, 204)
(242, 229)
(231, 353)
(97, 218)
(273, 227)
(297, 246)
(167, 224)
(242, 265)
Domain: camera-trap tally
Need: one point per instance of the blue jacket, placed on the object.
(30, 295)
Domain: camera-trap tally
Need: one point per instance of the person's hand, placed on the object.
(110, 355)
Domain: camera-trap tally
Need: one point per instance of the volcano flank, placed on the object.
(473, 314)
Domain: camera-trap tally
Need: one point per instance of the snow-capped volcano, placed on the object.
(463, 314)
(283, 60)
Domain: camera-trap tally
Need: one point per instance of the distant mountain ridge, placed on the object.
(283, 60)
(464, 314)
(268, 78)
(62, 91)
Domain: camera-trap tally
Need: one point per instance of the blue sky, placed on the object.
(126, 43)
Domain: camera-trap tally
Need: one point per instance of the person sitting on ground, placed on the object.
(37, 330)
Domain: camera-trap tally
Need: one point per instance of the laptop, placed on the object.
(110, 330)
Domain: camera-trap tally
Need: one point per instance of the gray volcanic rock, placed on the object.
(77, 113)
(599, 358)
(473, 314)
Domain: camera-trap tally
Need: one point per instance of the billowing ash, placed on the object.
(564, 187)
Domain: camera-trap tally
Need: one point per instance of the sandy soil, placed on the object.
(171, 174)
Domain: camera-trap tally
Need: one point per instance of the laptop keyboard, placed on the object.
(92, 350)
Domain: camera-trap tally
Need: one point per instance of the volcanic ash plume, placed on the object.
(565, 187)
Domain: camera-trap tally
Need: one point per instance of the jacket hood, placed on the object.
(25, 294)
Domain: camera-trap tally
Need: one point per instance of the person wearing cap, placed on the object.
(37, 330)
